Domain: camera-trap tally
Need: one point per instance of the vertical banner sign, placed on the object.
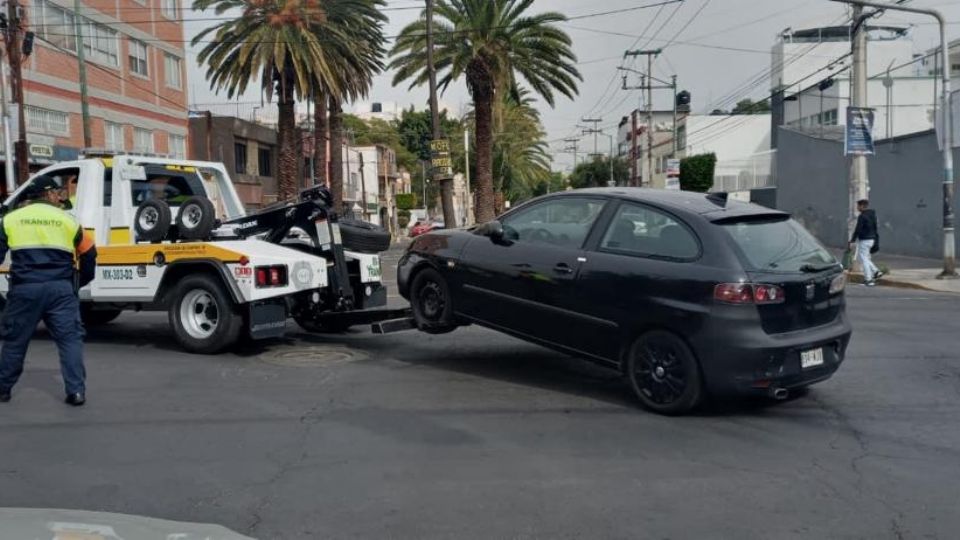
(673, 174)
(442, 166)
(858, 139)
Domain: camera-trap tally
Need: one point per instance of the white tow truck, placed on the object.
(173, 235)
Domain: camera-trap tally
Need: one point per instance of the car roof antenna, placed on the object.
(718, 198)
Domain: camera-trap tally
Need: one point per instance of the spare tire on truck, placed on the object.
(363, 236)
(152, 220)
(196, 219)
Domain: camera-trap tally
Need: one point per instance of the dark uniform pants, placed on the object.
(56, 304)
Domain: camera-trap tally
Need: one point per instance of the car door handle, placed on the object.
(563, 268)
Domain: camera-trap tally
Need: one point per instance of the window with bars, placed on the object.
(138, 57)
(240, 157)
(172, 70)
(48, 122)
(113, 136)
(177, 146)
(142, 140)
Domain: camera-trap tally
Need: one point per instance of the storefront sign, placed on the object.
(442, 165)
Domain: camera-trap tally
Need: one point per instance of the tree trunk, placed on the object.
(320, 137)
(483, 113)
(289, 161)
(336, 153)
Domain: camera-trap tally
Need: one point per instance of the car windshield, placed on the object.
(778, 245)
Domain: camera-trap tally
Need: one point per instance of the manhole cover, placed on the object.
(314, 356)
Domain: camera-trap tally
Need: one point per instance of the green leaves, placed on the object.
(696, 172)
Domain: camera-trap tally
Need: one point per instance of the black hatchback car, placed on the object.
(685, 293)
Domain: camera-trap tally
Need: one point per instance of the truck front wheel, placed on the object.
(204, 318)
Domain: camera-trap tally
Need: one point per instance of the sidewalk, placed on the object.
(909, 273)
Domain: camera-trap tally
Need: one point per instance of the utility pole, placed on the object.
(11, 182)
(858, 163)
(82, 71)
(648, 79)
(673, 83)
(466, 174)
(446, 183)
(15, 55)
(572, 146)
(949, 241)
(595, 131)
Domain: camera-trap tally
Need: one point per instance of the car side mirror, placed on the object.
(495, 232)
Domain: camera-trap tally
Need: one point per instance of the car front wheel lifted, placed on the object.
(431, 302)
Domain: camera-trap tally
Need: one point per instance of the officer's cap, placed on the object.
(40, 186)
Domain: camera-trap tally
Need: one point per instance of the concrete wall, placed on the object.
(905, 189)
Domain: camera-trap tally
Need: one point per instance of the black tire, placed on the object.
(431, 303)
(663, 373)
(314, 326)
(152, 220)
(196, 219)
(363, 236)
(203, 316)
(97, 317)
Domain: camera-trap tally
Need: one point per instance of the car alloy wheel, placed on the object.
(432, 301)
(664, 373)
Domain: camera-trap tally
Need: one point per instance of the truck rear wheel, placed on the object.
(203, 316)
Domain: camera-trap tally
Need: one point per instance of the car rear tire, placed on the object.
(363, 236)
(152, 220)
(431, 303)
(663, 373)
(204, 318)
(196, 219)
(97, 317)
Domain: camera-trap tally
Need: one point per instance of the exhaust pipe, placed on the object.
(779, 394)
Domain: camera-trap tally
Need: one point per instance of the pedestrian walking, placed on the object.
(51, 258)
(866, 239)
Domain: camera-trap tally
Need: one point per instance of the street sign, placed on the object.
(673, 175)
(858, 139)
(440, 162)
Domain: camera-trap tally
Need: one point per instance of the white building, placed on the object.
(811, 84)
(359, 179)
(741, 144)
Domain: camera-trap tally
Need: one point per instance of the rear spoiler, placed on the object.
(751, 215)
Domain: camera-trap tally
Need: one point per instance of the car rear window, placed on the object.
(777, 244)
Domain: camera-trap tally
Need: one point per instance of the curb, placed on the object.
(887, 281)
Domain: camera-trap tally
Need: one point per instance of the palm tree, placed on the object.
(270, 42)
(521, 158)
(354, 34)
(490, 43)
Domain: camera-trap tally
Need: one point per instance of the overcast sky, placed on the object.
(713, 46)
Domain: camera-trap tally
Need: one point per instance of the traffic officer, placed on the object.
(52, 256)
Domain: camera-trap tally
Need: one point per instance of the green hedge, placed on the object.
(696, 172)
(406, 201)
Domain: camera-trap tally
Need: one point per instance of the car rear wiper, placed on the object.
(811, 268)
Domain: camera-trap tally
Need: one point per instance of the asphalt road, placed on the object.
(476, 435)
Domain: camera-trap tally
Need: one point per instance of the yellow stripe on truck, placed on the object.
(120, 236)
(145, 253)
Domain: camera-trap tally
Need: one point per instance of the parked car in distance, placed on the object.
(685, 293)
(422, 227)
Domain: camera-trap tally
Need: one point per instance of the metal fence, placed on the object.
(757, 171)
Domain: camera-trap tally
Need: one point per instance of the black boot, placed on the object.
(75, 399)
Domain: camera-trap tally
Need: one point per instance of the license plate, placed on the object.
(811, 358)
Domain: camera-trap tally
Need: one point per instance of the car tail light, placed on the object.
(271, 276)
(748, 293)
(838, 284)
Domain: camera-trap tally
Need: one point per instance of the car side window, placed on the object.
(169, 185)
(563, 222)
(640, 230)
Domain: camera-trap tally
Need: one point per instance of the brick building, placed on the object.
(136, 77)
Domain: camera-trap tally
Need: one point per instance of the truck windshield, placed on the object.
(777, 244)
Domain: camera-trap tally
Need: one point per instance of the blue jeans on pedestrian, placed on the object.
(57, 305)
